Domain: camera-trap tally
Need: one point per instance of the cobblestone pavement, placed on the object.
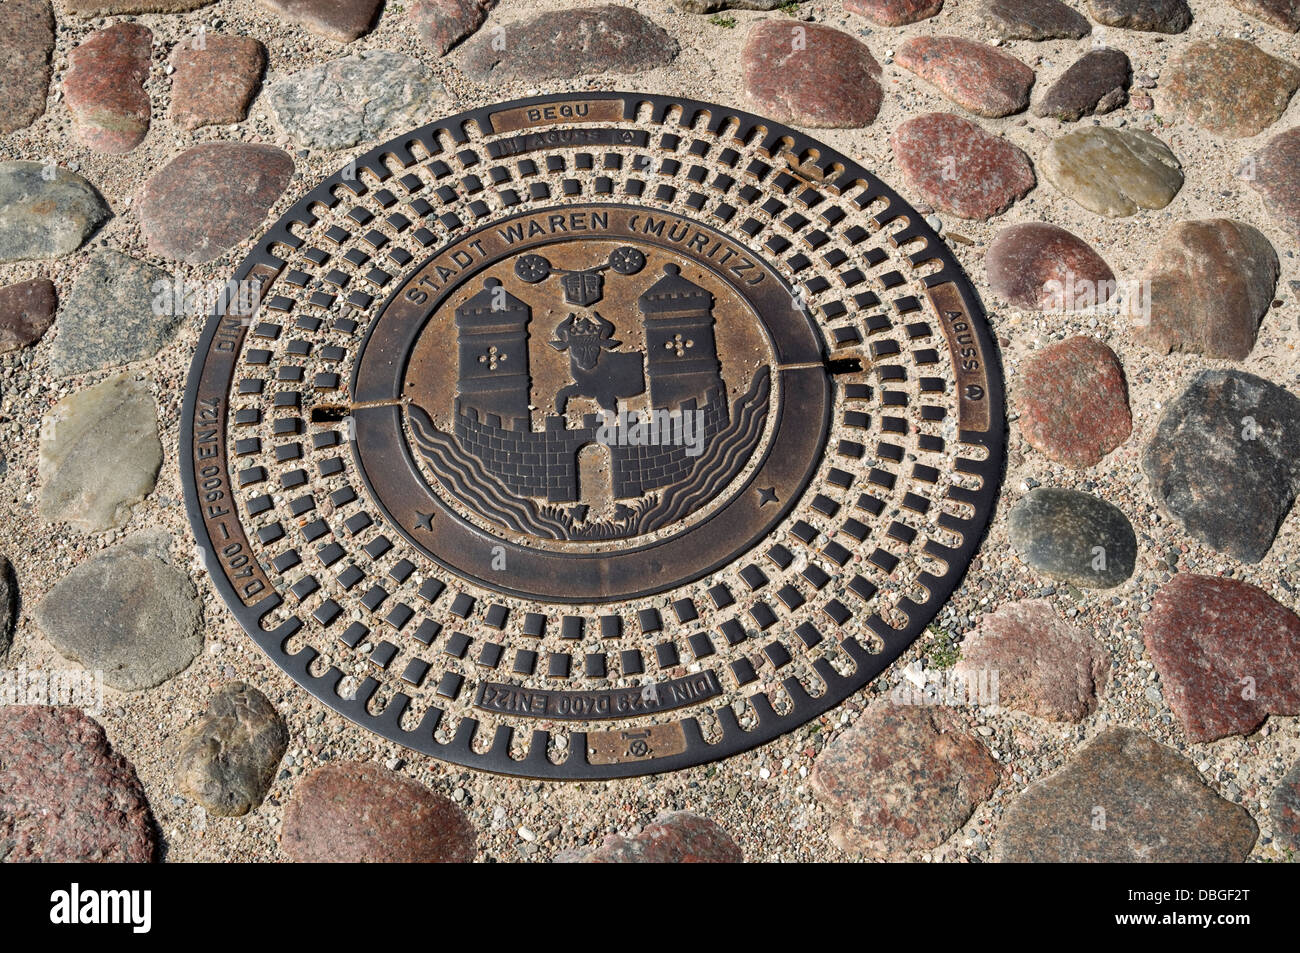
(1119, 179)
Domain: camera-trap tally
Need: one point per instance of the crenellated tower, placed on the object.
(681, 355)
(492, 327)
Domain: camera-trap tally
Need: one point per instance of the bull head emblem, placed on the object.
(604, 377)
(584, 338)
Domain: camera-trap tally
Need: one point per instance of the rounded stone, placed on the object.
(1151, 16)
(112, 316)
(26, 313)
(65, 795)
(1113, 172)
(1043, 267)
(1282, 14)
(1210, 283)
(104, 88)
(126, 612)
(1275, 174)
(362, 812)
(100, 454)
(214, 83)
(1225, 461)
(894, 12)
(1074, 537)
(960, 168)
(1094, 84)
(441, 24)
(829, 81)
(1045, 666)
(1034, 20)
(978, 77)
(1229, 87)
(1284, 809)
(27, 40)
(673, 838)
(568, 43)
(1073, 402)
(340, 20)
(45, 211)
(226, 760)
(1122, 799)
(318, 106)
(8, 604)
(902, 778)
(210, 198)
(1228, 654)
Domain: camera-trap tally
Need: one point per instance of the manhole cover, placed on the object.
(591, 437)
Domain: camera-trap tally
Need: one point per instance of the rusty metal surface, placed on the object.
(592, 436)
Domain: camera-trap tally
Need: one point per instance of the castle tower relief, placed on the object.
(563, 473)
(681, 355)
(492, 328)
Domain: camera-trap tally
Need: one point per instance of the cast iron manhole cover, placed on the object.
(593, 436)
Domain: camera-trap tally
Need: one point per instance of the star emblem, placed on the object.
(424, 521)
(766, 495)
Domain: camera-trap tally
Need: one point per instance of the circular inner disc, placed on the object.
(593, 435)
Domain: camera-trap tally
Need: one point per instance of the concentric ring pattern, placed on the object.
(834, 546)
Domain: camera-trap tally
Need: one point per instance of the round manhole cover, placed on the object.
(591, 437)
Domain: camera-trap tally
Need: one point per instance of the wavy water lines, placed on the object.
(464, 476)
